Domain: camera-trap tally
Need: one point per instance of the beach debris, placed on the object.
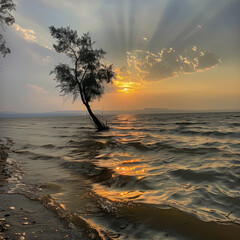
(12, 208)
(22, 238)
(229, 214)
(91, 236)
(2, 229)
(25, 223)
(7, 225)
(123, 226)
(71, 225)
(7, 215)
(2, 219)
(25, 218)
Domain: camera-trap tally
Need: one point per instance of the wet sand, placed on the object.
(21, 218)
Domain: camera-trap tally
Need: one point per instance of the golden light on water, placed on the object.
(132, 171)
(124, 170)
(115, 195)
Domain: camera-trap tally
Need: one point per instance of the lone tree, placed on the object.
(6, 18)
(86, 75)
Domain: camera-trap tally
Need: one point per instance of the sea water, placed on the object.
(160, 176)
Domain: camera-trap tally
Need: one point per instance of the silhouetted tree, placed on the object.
(6, 18)
(86, 75)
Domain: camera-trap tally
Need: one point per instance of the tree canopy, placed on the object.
(6, 18)
(86, 75)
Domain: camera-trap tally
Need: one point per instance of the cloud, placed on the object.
(145, 66)
(27, 34)
(207, 60)
(169, 63)
(37, 89)
(41, 60)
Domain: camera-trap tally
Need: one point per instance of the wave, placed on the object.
(190, 123)
(196, 176)
(84, 167)
(126, 181)
(51, 146)
(92, 230)
(232, 155)
(106, 176)
(36, 156)
(184, 131)
(63, 136)
(216, 144)
(91, 146)
(235, 124)
(199, 150)
(137, 145)
(169, 219)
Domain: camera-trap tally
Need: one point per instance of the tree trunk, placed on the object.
(100, 126)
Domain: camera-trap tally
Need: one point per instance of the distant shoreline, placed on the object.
(84, 113)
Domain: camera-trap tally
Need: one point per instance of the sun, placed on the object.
(126, 90)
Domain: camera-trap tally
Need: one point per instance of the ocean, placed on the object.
(159, 176)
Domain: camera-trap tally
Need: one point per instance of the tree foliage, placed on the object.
(6, 18)
(86, 75)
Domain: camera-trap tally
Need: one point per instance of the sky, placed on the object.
(177, 54)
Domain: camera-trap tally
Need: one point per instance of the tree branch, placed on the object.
(73, 52)
(79, 83)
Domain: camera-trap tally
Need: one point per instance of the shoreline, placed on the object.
(22, 218)
(5, 146)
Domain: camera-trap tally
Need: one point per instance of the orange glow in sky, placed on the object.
(165, 55)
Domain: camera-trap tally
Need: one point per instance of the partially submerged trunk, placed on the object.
(99, 125)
